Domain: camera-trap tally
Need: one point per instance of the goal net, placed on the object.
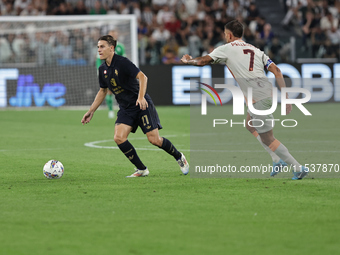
(51, 60)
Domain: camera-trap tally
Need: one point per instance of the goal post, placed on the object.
(51, 60)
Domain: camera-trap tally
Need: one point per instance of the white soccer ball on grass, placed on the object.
(53, 169)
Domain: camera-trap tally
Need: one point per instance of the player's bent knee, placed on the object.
(119, 139)
(155, 140)
(267, 140)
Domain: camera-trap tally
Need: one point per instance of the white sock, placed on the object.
(281, 150)
(275, 158)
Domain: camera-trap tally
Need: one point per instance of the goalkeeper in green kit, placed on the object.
(119, 50)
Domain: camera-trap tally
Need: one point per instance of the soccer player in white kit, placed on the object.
(246, 63)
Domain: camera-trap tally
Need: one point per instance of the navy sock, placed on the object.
(130, 152)
(170, 148)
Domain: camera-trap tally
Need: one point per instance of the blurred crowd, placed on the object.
(167, 29)
(317, 23)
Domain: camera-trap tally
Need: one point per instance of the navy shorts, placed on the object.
(147, 120)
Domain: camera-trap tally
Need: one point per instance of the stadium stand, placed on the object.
(169, 29)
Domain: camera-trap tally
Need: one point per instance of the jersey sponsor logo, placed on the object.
(259, 83)
(117, 90)
(113, 82)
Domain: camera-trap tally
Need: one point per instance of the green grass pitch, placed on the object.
(94, 209)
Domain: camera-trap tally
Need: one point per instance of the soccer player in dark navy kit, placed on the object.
(119, 75)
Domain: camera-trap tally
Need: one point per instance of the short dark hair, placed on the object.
(235, 27)
(110, 40)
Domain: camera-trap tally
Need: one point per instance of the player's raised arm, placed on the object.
(199, 61)
(143, 80)
(96, 103)
(280, 81)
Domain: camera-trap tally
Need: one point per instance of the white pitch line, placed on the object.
(29, 149)
(94, 145)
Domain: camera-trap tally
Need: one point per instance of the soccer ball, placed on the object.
(53, 169)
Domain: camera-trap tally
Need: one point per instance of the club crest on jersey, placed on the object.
(116, 72)
(105, 72)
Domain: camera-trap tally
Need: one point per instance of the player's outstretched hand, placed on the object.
(143, 104)
(87, 117)
(185, 58)
(288, 108)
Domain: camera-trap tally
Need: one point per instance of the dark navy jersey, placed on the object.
(120, 78)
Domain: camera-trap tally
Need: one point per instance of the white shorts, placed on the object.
(262, 123)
